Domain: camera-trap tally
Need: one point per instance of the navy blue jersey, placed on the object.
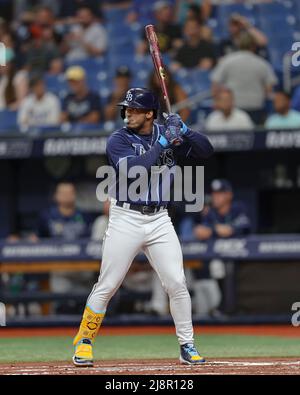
(54, 225)
(237, 218)
(79, 108)
(146, 151)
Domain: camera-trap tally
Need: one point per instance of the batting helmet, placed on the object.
(140, 98)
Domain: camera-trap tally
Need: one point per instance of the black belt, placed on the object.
(142, 209)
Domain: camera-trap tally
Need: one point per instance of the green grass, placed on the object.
(45, 349)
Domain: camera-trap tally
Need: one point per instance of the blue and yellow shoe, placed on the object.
(189, 355)
(83, 353)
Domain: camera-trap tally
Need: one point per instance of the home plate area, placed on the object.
(228, 366)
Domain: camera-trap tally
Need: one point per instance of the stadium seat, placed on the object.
(92, 64)
(201, 80)
(278, 48)
(225, 10)
(116, 15)
(56, 84)
(283, 8)
(8, 121)
(277, 25)
(182, 78)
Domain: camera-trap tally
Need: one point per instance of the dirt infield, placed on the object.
(228, 366)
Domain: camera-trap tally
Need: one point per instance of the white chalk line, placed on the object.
(123, 367)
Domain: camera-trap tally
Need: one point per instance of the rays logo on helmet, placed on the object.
(129, 96)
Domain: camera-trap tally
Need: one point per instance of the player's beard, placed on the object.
(140, 127)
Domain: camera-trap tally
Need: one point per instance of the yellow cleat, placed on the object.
(83, 354)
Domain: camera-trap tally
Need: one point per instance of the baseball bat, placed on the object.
(158, 63)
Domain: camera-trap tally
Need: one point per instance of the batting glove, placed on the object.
(173, 124)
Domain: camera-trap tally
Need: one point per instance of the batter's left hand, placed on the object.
(175, 128)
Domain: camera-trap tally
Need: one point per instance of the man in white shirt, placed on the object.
(226, 116)
(250, 78)
(88, 38)
(39, 108)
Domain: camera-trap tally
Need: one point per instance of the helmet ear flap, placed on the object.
(123, 112)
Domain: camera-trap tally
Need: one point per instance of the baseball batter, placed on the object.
(143, 224)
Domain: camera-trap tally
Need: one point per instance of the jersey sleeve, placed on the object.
(195, 145)
(119, 148)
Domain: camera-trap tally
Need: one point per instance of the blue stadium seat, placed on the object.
(274, 9)
(225, 10)
(219, 29)
(278, 48)
(201, 80)
(182, 76)
(8, 121)
(91, 64)
(144, 9)
(275, 25)
(115, 15)
(56, 84)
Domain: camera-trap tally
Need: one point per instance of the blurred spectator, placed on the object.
(199, 11)
(22, 6)
(284, 117)
(81, 105)
(13, 84)
(226, 116)
(41, 50)
(225, 218)
(100, 224)
(237, 25)
(3, 27)
(121, 85)
(196, 51)
(169, 34)
(39, 108)
(186, 9)
(56, 66)
(250, 78)
(176, 93)
(69, 8)
(86, 38)
(63, 220)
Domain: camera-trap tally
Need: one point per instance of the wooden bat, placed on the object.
(158, 63)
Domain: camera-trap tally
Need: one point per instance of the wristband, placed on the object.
(184, 128)
(163, 141)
